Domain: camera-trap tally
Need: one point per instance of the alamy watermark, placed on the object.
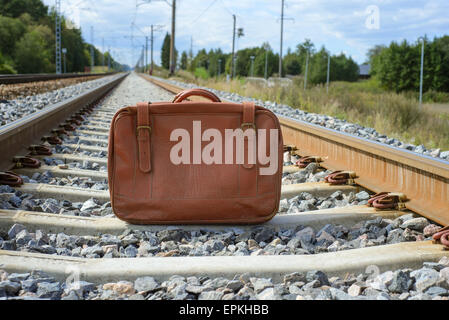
(373, 17)
(212, 153)
(72, 281)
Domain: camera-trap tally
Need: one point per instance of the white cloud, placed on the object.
(337, 24)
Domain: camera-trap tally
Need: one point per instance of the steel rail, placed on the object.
(424, 180)
(15, 137)
(340, 263)
(24, 78)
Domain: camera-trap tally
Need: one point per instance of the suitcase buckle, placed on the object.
(143, 127)
(248, 124)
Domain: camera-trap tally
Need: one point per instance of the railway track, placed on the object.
(325, 242)
(24, 78)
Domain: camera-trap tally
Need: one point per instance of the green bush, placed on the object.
(7, 69)
(31, 53)
(201, 73)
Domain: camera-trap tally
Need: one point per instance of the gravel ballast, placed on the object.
(431, 282)
(259, 240)
(14, 109)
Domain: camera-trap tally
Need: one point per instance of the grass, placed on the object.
(364, 102)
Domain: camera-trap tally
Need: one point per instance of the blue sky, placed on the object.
(349, 26)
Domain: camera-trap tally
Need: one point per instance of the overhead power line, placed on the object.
(208, 7)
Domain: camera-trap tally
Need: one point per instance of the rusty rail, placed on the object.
(424, 180)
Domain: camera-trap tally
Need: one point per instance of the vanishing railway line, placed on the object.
(59, 216)
(24, 78)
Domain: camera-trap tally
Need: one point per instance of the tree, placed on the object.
(292, 64)
(165, 52)
(342, 68)
(71, 40)
(266, 53)
(10, 31)
(200, 60)
(31, 53)
(5, 66)
(183, 60)
(15, 8)
(302, 49)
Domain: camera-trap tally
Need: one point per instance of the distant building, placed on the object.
(365, 70)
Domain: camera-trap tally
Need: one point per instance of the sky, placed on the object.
(342, 26)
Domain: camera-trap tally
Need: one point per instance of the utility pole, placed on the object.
(422, 72)
(307, 69)
(252, 65)
(153, 28)
(282, 35)
(191, 49)
(266, 63)
(146, 55)
(109, 59)
(64, 51)
(233, 46)
(172, 39)
(219, 67)
(328, 71)
(92, 49)
(58, 36)
(151, 42)
(102, 53)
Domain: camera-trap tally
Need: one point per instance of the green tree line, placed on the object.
(27, 45)
(397, 67)
(210, 63)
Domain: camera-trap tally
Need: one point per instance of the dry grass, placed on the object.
(364, 103)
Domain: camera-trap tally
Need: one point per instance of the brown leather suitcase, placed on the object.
(165, 166)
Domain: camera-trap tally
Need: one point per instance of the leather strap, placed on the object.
(248, 174)
(143, 132)
(248, 122)
(195, 92)
(248, 112)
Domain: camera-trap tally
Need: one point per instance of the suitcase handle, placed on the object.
(195, 92)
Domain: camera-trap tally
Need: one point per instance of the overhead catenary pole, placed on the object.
(252, 65)
(307, 69)
(233, 47)
(92, 61)
(143, 58)
(109, 59)
(191, 50)
(151, 55)
(146, 54)
(58, 36)
(102, 49)
(266, 63)
(282, 36)
(328, 71)
(422, 73)
(64, 51)
(172, 39)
